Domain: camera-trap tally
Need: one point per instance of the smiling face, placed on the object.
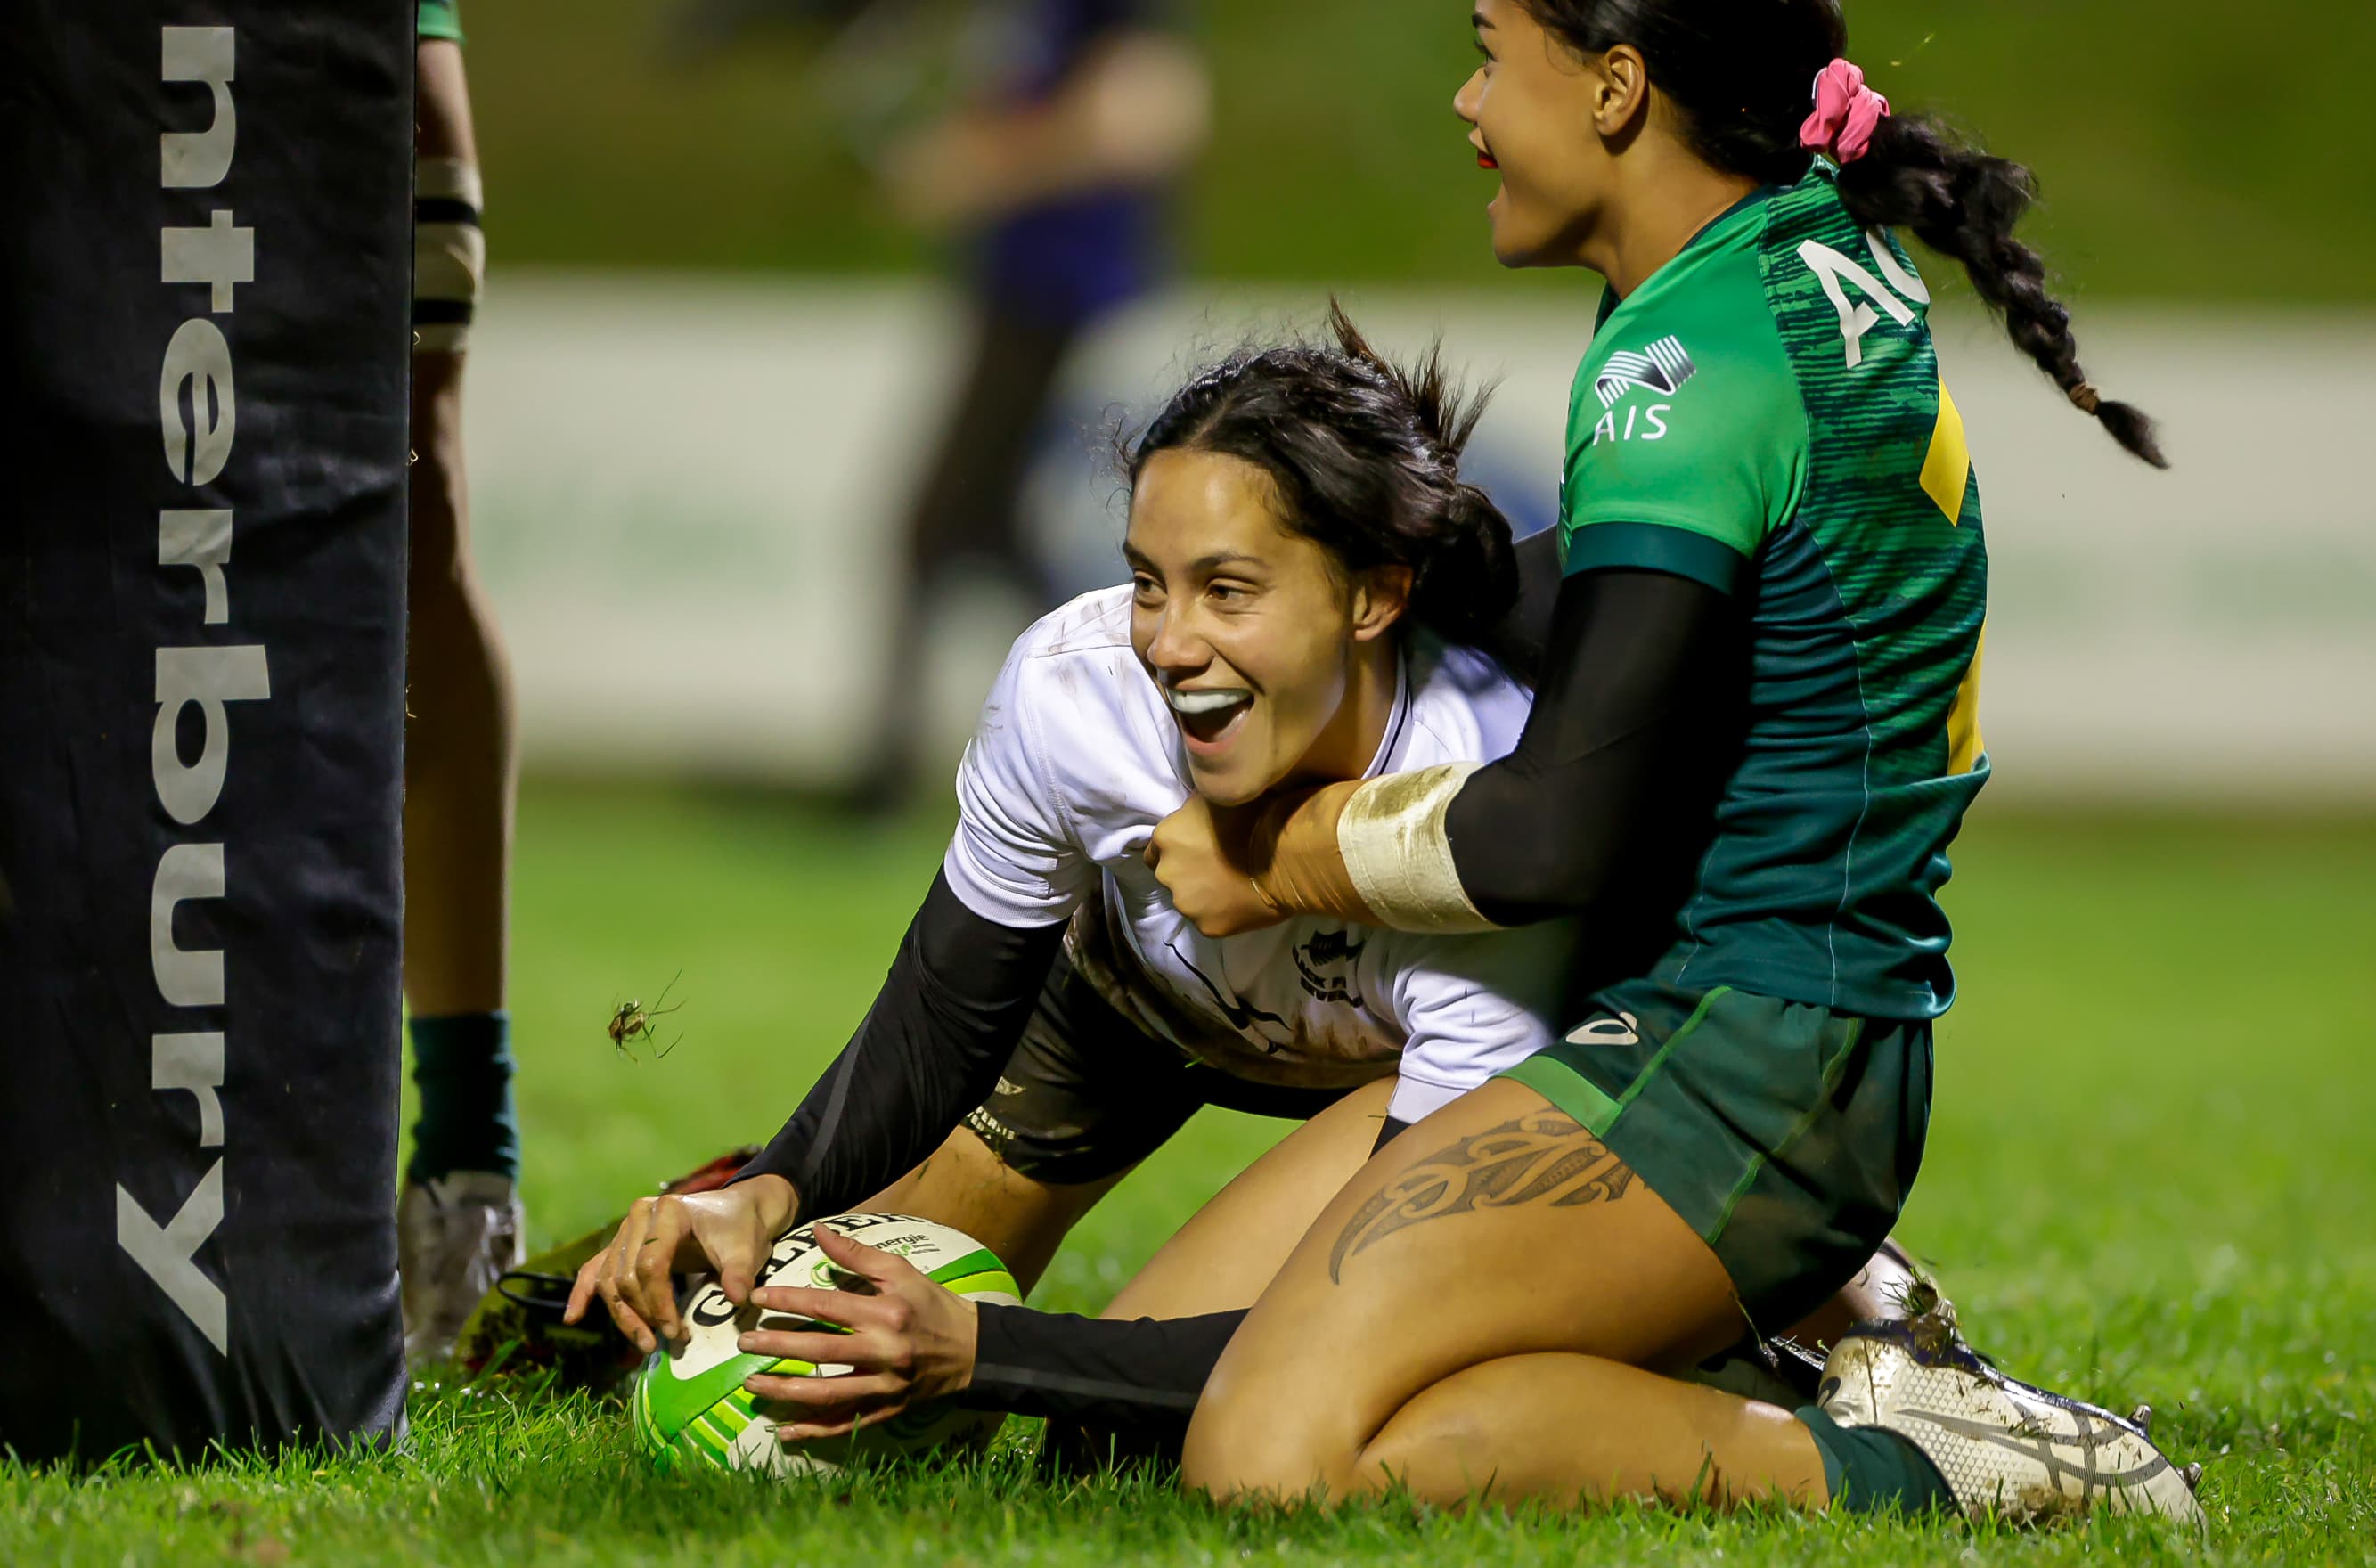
(1536, 113)
(1270, 661)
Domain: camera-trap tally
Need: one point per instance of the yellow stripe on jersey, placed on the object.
(1948, 471)
(1964, 743)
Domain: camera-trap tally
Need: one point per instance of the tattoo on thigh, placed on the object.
(1543, 1156)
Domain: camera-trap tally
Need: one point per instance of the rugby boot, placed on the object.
(2007, 1450)
(454, 1237)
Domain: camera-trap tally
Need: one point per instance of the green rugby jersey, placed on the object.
(439, 19)
(1765, 414)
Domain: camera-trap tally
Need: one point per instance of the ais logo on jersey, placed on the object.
(1663, 368)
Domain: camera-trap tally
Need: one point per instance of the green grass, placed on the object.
(2186, 150)
(2149, 1178)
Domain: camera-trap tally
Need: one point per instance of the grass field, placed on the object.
(2150, 1177)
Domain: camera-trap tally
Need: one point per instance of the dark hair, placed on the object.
(1366, 457)
(1740, 72)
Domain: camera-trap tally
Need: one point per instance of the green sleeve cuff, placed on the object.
(438, 18)
(1656, 547)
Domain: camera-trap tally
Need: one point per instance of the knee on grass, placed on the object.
(1235, 1453)
(1239, 1450)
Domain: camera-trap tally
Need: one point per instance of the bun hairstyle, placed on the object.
(1738, 72)
(1366, 456)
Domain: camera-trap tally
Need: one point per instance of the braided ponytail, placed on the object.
(1737, 70)
(1963, 203)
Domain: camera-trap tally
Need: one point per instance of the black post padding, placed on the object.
(204, 287)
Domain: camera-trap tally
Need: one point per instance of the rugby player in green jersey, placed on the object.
(458, 1219)
(1753, 741)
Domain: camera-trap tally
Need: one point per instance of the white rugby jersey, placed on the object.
(1077, 759)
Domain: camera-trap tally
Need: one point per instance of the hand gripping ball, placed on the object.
(688, 1402)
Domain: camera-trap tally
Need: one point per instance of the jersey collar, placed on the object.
(1711, 235)
(1390, 745)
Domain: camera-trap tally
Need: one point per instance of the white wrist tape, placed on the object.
(449, 254)
(1392, 838)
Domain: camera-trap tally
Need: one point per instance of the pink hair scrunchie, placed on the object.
(1846, 114)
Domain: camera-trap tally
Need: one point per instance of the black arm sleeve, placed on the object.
(1142, 1373)
(1518, 642)
(927, 1052)
(1608, 799)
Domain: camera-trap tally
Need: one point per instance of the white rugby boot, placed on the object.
(454, 1237)
(2007, 1450)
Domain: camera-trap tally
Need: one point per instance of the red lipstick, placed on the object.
(1485, 161)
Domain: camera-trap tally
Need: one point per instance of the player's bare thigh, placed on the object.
(1496, 1227)
(1217, 1262)
(1232, 1247)
(1023, 1220)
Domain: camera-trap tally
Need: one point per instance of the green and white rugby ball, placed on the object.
(689, 1405)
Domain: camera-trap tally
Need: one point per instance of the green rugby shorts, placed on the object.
(1786, 1134)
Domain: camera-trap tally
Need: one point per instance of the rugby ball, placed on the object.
(689, 1406)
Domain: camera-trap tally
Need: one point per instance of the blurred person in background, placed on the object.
(459, 1220)
(1053, 173)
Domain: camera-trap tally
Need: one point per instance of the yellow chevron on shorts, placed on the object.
(1947, 472)
(1964, 743)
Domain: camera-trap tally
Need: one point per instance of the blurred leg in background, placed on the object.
(1053, 177)
(458, 1218)
(965, 532)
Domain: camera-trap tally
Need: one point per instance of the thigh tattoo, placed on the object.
(1542, 1158)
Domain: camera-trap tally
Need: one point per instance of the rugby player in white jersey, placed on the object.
(1310, 584)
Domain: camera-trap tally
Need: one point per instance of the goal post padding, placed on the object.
(204, 293)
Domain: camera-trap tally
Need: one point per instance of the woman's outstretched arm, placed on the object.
(1612, 781)
(1604, 802)
(929, 1050)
